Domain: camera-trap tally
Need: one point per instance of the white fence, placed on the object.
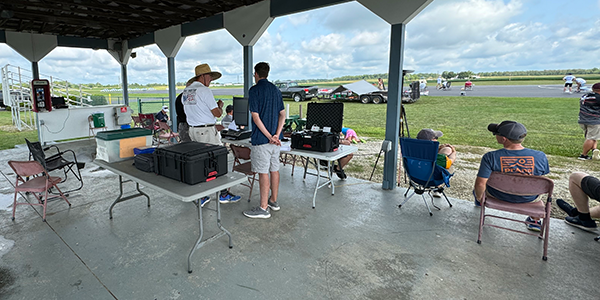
(17, 94)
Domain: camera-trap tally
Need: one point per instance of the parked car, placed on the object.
(290, 89)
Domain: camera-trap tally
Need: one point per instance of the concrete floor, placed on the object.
(355, 245)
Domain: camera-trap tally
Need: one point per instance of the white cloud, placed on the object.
(330, 43)
(348, 39)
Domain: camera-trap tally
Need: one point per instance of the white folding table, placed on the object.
(177, 190)
(330, 157)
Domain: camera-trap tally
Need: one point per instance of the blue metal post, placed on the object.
(124, 84)
(172, 92)
(392, 127)
(248, 76)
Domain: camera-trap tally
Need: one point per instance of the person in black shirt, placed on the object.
(182, 126)
(163, 115)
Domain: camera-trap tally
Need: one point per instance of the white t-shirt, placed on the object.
(439, 80)
(581, 81)
(198, 101)
(569, 78)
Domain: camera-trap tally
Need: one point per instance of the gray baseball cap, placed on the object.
(429, 134)
(509, 129)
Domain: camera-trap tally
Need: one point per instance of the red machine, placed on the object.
(40, 94)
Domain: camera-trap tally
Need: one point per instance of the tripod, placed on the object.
(386, 146)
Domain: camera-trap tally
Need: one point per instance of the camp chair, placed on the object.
(165, 133)
(40, 184)
(243, 153)
(424, 175)
(524, 185)
(148, 121)
(61, 160)
(136, 121)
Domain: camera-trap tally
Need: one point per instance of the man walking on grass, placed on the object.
(589, 120)
(268, 117)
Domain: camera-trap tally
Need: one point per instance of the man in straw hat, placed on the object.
(201, 111)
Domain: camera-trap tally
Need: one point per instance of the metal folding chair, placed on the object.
(61, 160)
(524, 185)
(38, 185)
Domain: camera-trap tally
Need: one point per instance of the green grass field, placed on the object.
(551, 122)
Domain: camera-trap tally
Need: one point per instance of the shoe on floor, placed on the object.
(534, 227)
(566, 207)
(584, 157)
(437, 194)
(229, 198)
(204, 200)
(274, 206)
(258, 213)
(339, 172)
(595, 154)
(353, 141)
(589, 225)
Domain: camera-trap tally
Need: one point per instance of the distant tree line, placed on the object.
(459, 75)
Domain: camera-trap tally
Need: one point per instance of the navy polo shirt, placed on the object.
(265, 99)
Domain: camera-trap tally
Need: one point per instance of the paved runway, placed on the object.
(543, 91)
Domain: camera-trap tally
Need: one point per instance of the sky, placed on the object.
(348, 39)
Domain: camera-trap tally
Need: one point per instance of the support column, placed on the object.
(172, 92)
(35, 70)
(169, 40)
(248, 69)
(392, 128)
(248, 76)
(124, 84)
(121, 52)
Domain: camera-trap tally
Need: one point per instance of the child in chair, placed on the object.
(350, 135)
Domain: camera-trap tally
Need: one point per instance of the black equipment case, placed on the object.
(144, 162)
(236, 135)
(323, 115)
(316, 141)
(191, 162)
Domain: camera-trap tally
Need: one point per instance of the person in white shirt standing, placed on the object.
(568, 79)
(201, 112)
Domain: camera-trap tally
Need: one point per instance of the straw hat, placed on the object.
(205, 69)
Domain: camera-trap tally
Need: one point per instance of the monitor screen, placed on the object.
(241, 112)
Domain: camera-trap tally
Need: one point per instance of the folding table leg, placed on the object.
(120, 198)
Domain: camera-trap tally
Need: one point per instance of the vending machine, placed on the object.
(40, 95)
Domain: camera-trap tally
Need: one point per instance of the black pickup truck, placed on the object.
(297, 92)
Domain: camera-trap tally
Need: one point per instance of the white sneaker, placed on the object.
(596, 154)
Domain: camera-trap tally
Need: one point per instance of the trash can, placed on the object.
(98, 118)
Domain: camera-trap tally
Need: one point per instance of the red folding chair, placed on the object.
(39, 184)
(524, 185)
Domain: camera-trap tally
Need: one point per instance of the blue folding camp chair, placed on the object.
(425, 176)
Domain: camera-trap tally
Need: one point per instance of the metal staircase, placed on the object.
(17, 94)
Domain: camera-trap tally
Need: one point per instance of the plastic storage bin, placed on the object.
(118, 145)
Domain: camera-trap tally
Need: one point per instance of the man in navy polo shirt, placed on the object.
(268, 116)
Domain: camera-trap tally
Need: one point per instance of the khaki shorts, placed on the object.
(205, 135)
(592, 132)
(265, 158)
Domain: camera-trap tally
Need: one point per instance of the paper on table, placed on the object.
(285, 147)
(232, 126)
